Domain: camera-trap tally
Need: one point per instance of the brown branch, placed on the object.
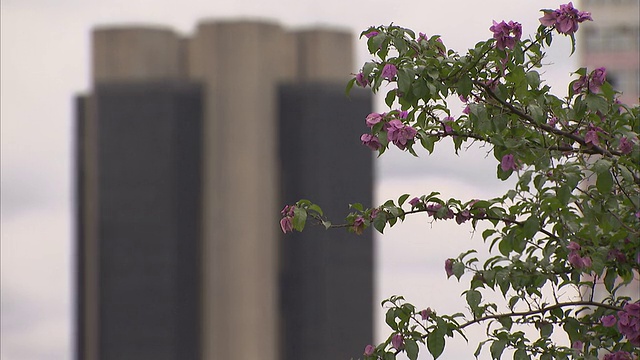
(540, 311)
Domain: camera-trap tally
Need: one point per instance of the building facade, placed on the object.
(612, 40)
(187, 150)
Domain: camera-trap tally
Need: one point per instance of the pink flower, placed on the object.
(629, 322)
(358, 225)
(508, 163)
(565, 19)
(361, 80)
(371, 141)
(577, 345)
(448, 267)
(373, 119)
(608, 321)
(463, 216)
(369, 350)
(389, 71)
(591, 137)
(506, 35)
(573, 246)
(371, 34)
(626, 145)
(286, 224)
(618, 355)
(397, 341)
(597, 79)
(400, 134)
(414, 202)
(447, 128)
(426, 313)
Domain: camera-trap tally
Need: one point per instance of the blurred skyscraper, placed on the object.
(187, 150)
(612, 40)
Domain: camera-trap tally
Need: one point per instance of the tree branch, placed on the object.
(540, 311)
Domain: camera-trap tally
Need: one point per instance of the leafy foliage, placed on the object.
(572, 220)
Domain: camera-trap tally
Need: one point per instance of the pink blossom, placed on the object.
(447, 128)
(618, 355)
(286, 224)
(626, 145)
(573, 246)
(506, 35)
(397, 341)
(426, 313)
(371, 34)
(608, 321)
(371, 141)
(373, 119)
(448, 267)
(508, 163)
(369, 350)
(400, 134)
(361, 80)
(389, 71)
(597, 79)
(463, 216)
(591, 137)
(414, 202)
(565, 19)
(577, 345)
(358, 225)
(629, 322)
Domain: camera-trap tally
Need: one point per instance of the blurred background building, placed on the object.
(187, 148)
(612, 41)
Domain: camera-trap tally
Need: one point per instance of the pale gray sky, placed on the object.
(45, 61)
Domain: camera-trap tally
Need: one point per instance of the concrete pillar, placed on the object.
(324, 55)
(240, 64)
(136, 54)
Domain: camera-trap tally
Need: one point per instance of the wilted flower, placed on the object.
(358, 225)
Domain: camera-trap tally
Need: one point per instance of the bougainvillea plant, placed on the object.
(571, 222)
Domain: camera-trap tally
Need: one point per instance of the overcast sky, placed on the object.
(45, 61)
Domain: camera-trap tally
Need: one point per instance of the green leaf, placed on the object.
(521, 354)
(604, 183)
(299, 218)
(435, 343)
(597, 103)
(531, 227)
(411, 347)
(473, 298)
(402, 199)
(349, 86)
(465, 85)
(496, 349)
(316, 208)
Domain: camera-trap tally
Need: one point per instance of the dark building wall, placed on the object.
(326, 276)
(149, 188)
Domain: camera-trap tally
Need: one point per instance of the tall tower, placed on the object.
(612, 40)
(181, 147)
